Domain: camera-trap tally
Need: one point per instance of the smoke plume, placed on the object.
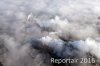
(34, 31)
